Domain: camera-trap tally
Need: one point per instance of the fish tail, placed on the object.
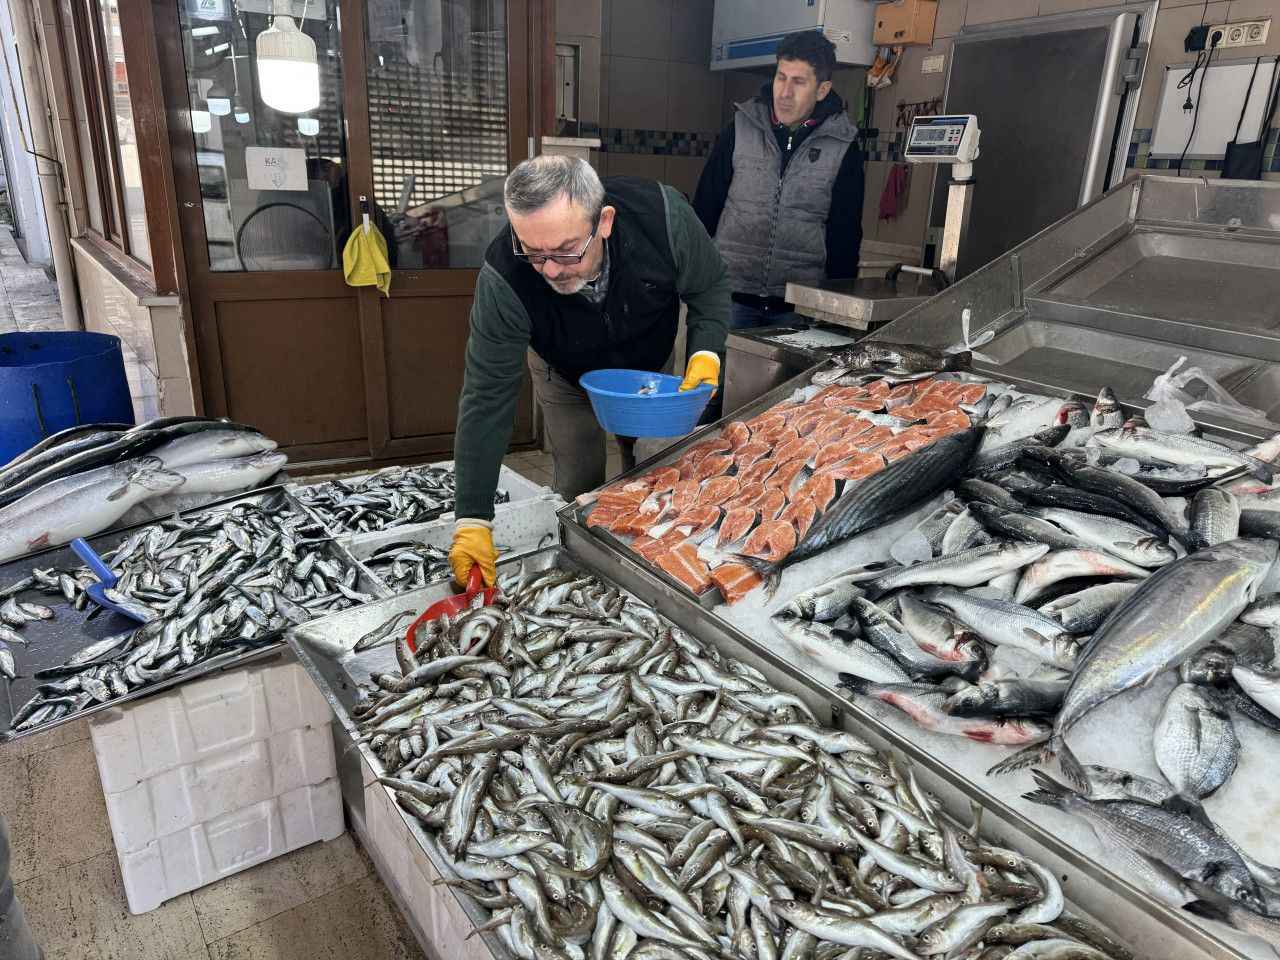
(771, 571)
(1051, 792)
(1259, 468)
(1072, 767)
(1042, 751)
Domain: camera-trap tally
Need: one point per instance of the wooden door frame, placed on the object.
(204, 288)
(452, 282)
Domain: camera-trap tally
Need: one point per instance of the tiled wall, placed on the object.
(660, 104)
(1173, 21)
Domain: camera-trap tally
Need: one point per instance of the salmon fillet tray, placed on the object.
(756, 489)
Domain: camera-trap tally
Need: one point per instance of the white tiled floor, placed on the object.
(323, 901)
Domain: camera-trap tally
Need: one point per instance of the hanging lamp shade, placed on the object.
(288, 73)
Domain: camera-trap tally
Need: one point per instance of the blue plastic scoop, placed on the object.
(106, 581)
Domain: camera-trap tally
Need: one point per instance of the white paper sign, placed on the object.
(208, 9)
(276, 168)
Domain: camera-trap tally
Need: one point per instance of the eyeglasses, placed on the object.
(537, 259)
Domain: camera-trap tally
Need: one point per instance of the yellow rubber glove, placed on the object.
(472, 546)
(703, 367)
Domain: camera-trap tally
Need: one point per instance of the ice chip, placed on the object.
(1169, 416)
(912, 547)
(1126, 465)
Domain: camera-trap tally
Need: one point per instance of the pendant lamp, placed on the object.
(288, 72)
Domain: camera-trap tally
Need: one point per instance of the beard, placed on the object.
(566, 287)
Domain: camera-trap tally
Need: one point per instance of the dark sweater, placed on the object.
(659, 255)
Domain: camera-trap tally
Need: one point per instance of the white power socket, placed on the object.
(1245, 33)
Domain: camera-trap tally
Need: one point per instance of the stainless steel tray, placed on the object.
(51, 642)
(1155, 929)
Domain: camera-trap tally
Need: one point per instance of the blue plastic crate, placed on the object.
(661, 410)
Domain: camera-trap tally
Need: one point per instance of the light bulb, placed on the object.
(242, 116)
(219, 106)
(201, 122)
(288, 74)
(308, 126)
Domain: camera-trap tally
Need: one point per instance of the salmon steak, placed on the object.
(735, 580)
(735, 525)
(800, 513)
(737, 434)
(713, 466)
(771, 541)
(718, 490)
(682, 563)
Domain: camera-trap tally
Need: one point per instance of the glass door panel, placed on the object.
(438, 127)
(264, 84)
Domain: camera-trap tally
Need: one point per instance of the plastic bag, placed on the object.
(1208, 397)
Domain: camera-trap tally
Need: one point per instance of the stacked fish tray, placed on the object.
(220, 584)
(398, 522)
(587, 707)
(216, 776)
(960, 744)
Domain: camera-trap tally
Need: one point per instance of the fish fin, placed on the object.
(1039, 752)
(1072, 767)
(1259, 468)
(1036, 635)
(770, 571)
(1209, 911)
(118, 492)
(854, 682)
(1126, 544)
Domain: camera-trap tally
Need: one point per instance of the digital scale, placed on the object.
(951, 140)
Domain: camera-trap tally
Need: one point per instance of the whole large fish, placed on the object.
(228, 476)
(78, 506)
(62, 437)
(838, 651)
(1006, 623)
(1145, 444)
(210, 445)
(968, 569)
(1132, 830)
(1178, 610)
(1196, 746)
(926, 705)
(879, 498)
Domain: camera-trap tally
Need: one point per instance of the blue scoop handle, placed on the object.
(95, 562)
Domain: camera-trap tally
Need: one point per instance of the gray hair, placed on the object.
(539, 180)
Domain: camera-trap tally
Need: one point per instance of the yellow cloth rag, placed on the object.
(364, 259)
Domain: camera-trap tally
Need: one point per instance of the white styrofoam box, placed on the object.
(518, 527)
(197, 720)
(199, 855)
(433, 910)
(216, 785)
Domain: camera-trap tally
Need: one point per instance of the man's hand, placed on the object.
(473, 546)
(703, 367)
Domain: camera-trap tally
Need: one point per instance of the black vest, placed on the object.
(635, 327)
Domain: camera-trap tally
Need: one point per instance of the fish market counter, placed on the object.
(1102, 880)
(389, 806)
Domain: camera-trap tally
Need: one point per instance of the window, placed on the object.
(264, 91)
(437, 87)
(120, 110)
(108, 144)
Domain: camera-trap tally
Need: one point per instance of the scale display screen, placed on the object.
(940, 139)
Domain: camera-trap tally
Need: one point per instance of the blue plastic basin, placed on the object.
(51, 381)
(661, 411)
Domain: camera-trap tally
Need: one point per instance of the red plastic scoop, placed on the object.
(452, 606)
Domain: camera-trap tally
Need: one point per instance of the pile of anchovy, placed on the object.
(607, 786)
(388, 498)
(407, 565)
(212, 585)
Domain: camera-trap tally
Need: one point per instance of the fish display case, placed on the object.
(1115, 293)
(51, 642)
(411, 863)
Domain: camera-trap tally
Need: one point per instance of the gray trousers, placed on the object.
(16, 941)
(576, 438)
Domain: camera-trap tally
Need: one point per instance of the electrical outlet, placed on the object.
(1245, 33)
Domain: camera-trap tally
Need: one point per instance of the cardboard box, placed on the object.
(905, 22)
